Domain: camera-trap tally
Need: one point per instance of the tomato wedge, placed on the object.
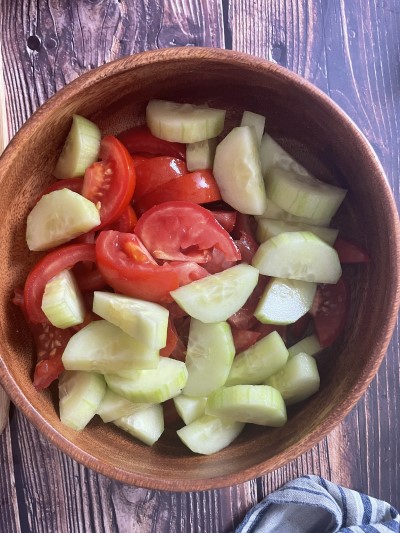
(126, 222)
(140, 140)
(110, 183)
(183, 231)
(349, 252)
(50, 345)
(155, 172)
(244, 235)
(227, 219)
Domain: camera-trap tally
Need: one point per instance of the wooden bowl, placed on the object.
(323, 138)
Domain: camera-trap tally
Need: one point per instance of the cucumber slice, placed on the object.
(102, 347)
(200, 155)
(147, 424)
(209, 434)
(310, 345)
(184, 123)
(268, 228)
(209, 357)
(256, 121)
(59, 217)
(80, 395)
(284, 301)
(255, 404)
(273, 155)
(237, 171)
(62, 301)
(145, 321)
(275, 212)
(150, 386)
(217, 297)
(80, 150)
(298, 380)
(113, 406)
(258, 362)
(298, 255)
(189, 409)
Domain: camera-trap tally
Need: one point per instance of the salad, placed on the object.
(182, 265)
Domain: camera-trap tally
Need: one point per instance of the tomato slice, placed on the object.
(126, 222)
(49, 266)
(217, 262)
(244, 235)
(155, 172)
(140, 140)
(183, 231)
(329, 312)
(244, 338)
(349, 252)
(227, 219)
(50, 345)
(187, 271)
(172, 340)
(110, 183)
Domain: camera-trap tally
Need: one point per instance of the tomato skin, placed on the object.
(187, 271)
(73, 184)
(155, 172)
(126, 222)
(140, 140)
(227, 219)
(349, 252)
(244, 235)
(172, 340)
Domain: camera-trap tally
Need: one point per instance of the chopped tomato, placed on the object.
(244, 338)
(187, 271)
(298, 328)
(139, 140)
(349, 252)
(126, 222)
(183, 231)
(266, 329)
(50, 345)
(244, 235)
(227, 219)
(110, 183)
(217, 262)
(89, 280)
(172, 340)
(155, 172)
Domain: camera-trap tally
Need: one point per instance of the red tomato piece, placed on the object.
(73, 184)
(140, 140)
(244, 235)
(62, 258)
(172, 340)
(50, 345)
(110, 183)
(217, 262)
(244, 338)
(298, 328)
(227, 219)
(126, 222)
(266, 329)
(349, 252)
(155, 172)
(187, 271)
(90, 280)
(244, 318)
(182, 231)
(329, 311)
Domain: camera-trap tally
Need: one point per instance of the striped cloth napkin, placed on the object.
(311, 504)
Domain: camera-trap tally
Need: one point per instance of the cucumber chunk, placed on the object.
(113, 406)
(184, 123)
(59, 217)
(189, 409)
(273, 155)
(310, 345)
(62, 301)
(237, 171)
(80, 395)
(209, 434)
(284, 301)
(255, 121)
(104, 348)
(209, 357)
(145, 321)
(255, 404)
(80, 150)
(268, 228)
(150, 386)
(298, 380)
(261, 360)
(200, 155)
(272, 211)
(298, 255)
(147, 424)
(217, 297)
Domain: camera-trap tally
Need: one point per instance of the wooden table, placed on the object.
(348, 48)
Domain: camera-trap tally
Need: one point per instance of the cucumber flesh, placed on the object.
(113, 406)
(200, 155)
(209, 357)
(80, 150)
(189, 409)
(310, 345)
(62, 301)
(255, 121)
(268, 228)
(184, 123)
(145, 321)
(272, 211)
(217, 297)
(146, 425)
(298, 380)
(80, 395)
(104, 348)
(59, 217)
(255, 404)
(252, 366)
(209, 434)
(298, 255)
(273, 155)
(237, 171)
(284, 301)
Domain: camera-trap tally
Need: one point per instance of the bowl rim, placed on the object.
(335, 416)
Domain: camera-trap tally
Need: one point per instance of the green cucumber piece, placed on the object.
(80, 395)
(150, 386)
(268, 228)
(146, 425)
(237, 171)
(80, 150)
(255, 121)
(209, 357)
(200, 155)
(62, 301)
(217, 297)
(114, 406)
(255, 404)
(284, 301)
(298, 255)
(184, 123)
(272, 211)
(188, 408)
(59, 217)
(310, 345)
(209, 434)
(298, 380)
(104, 348)
(145, 321)
(273, 155)
(263, 359)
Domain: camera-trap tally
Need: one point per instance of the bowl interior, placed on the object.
(322, 138)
